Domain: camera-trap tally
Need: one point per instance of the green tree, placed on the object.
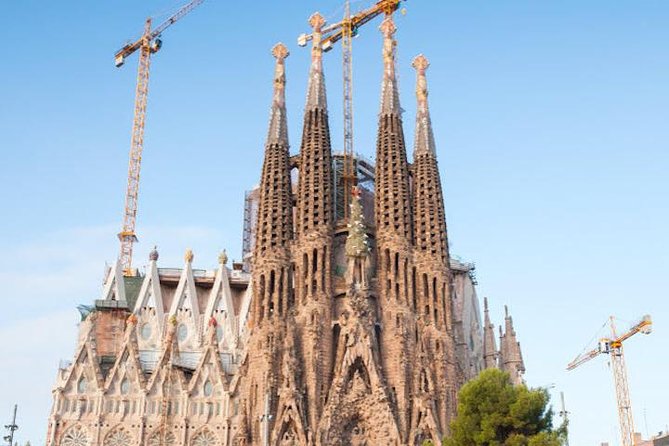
(494, 412)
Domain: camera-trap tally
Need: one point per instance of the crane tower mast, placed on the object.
(148, 44)
(613, 346)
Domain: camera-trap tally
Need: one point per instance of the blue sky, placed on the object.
(551, 125)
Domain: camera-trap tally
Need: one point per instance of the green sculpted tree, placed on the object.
(494, 412)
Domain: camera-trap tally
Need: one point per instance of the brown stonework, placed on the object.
(329, 333)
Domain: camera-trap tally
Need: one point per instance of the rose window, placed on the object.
(205, 438)
(75, 437)
(118, 438)
(158, 440)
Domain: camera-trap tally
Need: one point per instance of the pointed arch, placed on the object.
(76, 435)
(119, 436)
(205, 437)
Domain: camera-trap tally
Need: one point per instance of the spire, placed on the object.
(424, 137)
(278, 128)
(314, 198)
(429, 216)
(390, 99)
(392, 199)
(274, 228)
(489, 345)
(316, 91)
(511, 357)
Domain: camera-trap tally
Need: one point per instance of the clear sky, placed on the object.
(551, 125)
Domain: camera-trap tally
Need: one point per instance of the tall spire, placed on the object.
(393, 205)
(430, 218)
(278, 128)
(316, 90)
(314, 207)
(489, 344)
(274, 229)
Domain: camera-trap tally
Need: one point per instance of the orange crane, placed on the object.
(613, 346)
(148, 44)
(345, 31)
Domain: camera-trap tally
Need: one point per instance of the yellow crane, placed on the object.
(345, 30)
(613, 347)
(148, 44)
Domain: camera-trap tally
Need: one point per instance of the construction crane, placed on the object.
(613, 346)
(148, 44)
(345, 30)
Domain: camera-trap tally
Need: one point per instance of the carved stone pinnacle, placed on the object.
(280, 52)
(420, 63)
(188, 257)
(388, 27)
(316, 21)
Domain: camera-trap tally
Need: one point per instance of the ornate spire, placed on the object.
(274, 228)
(392, 198)
(314, 198)
(278, 128)
(316, 97)
(424, 137)
(489, 344)
(429, 216)
(511, 357)
(390, 98)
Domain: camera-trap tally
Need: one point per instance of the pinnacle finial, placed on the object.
(390, 102)
(188, 256)
(223, 258)
(388, 29)
(278, 131)
(153, 255)
(485, 303)
(316, 87)
(506, 311)
(420, 63)
(280, 52)
(316, 21)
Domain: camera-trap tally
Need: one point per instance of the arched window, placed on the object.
(118, 437)
(76, 436)
(205, 438)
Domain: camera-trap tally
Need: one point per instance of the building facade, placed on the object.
(332, 331)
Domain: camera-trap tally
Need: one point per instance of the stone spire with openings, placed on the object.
(489, 344)
(274, 229)
(431, 257)
(312, 252)
(392, 208)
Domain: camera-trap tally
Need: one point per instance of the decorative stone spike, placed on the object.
(153, 255)
(188, 256)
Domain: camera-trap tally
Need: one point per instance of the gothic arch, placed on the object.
(205, 437)
(155, 439)
(119, 436)
(75, 436)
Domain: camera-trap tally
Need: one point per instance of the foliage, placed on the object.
(494, 412)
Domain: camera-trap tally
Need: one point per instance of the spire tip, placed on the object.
(280, 51)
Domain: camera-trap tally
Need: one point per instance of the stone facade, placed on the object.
(330, 332)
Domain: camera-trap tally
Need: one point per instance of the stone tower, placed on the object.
(271, 277)
(431, 259)
(313, 235)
